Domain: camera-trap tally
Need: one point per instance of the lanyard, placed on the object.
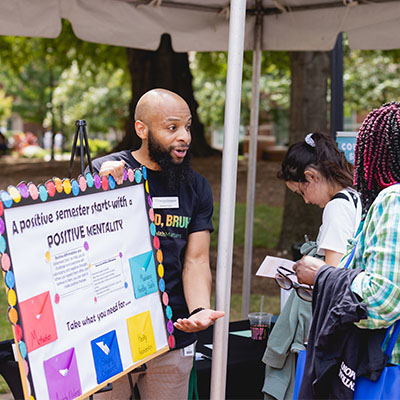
(351, 256)
(360, 227)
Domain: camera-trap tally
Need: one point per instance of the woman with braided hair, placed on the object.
(377, 175)
(372, 267)
(378, 155)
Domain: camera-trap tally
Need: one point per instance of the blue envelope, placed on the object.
(143, 272)
(106, 356)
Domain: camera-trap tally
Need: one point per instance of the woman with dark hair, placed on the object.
(318, 171)
(315, 169)
(371, 277)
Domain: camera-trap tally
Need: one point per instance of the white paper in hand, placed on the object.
(269, 267)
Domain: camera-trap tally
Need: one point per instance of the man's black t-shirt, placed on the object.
(194, 213)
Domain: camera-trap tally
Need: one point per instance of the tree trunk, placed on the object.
(308, 113)
(165, 69)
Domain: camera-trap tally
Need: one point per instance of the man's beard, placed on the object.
(174, 174)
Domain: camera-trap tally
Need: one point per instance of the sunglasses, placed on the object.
(284, 282)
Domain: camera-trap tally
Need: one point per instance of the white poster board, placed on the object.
(84, 280)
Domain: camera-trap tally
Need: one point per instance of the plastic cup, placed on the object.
(260, 323)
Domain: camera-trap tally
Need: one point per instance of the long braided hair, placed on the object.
(377, 153)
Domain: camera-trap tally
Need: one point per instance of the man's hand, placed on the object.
(199, 321)
(306, 269)
(115, 169)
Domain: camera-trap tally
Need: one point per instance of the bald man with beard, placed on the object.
(162, 122)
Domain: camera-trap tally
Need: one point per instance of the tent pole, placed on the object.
(237, 21)
(252, 164)
(337, 87)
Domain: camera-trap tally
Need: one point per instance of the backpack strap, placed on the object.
(354, 197)
(340, 196)
(344, 197)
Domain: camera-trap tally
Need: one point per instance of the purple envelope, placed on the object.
(62, 376)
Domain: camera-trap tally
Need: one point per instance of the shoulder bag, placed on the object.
(386, 387)
(388, 384)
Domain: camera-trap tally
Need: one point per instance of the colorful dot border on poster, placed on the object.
(159, 257)
(29, 193)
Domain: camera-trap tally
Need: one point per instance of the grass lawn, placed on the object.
(267, 225)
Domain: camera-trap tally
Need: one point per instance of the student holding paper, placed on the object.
(315, 169)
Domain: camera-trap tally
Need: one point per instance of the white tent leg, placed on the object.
(252, 167)
(228, 195)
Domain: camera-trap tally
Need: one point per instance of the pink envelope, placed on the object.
(62, 376)
(38, 321)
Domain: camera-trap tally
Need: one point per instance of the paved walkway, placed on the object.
(6, 396)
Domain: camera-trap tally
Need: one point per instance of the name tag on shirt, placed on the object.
(188, 350)
(165, 202)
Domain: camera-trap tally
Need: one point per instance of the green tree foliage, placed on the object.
(31, 88)
(5, 106)
(32, 68)
(82, 80)
(61, 51)
(371, 78)
(101, 98)
(209, 72)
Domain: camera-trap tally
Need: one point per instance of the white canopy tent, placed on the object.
(203, 25)
(209, 26)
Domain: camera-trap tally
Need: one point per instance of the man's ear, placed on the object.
(141, 129)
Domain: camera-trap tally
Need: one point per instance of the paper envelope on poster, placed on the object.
(38, 321)
(141, 336)
(143, 273)
(62, 376)
(106, 356)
